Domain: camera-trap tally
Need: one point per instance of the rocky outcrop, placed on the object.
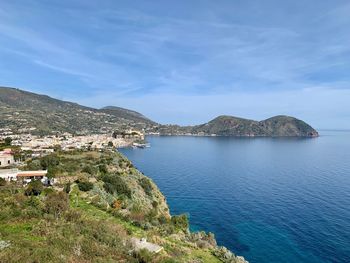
(227, 256)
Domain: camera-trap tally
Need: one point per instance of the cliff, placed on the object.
(100, 205)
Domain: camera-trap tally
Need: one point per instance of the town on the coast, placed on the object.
(16, 148)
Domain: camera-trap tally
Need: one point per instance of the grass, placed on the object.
(90, 210)
(204, 255)
(19, 231)
(96, 213)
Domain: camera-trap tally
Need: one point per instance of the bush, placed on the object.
(146, 185)
(2, 182)
(115, 184)
(103, 169)
(56, 203)
(143, 256)
(84, 185)
(34, 188)
(66, 188)
(162, 220)
(89, 169)
(47, 191)
(49, 161)
(33, 165)
(8, 141)
(180, 221)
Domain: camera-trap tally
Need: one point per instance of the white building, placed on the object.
(9, 174)
(25, 176)
(6, 158)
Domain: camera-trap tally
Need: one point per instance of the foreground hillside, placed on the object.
(25, 111)
(100, 204)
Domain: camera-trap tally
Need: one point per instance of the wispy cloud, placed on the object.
(114, 51)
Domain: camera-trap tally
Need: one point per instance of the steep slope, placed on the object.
(76, 223)
(22, 110)
(287, 126)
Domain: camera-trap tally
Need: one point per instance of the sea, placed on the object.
(267, 199)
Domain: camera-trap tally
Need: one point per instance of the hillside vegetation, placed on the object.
(22, 111)
(100, 203)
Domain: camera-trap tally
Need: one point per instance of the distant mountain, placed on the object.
(23, 111)
(279, 126)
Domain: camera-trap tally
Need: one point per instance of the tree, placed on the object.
(49, 161)
(110, 144)
(34, 188)
(56, 203)
(8, 141)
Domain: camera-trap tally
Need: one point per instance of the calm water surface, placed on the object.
(269, 200)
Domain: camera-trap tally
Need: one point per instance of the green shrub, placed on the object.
(84, 185)
(34, 188)
(103, 169)
(143, 256)
(48, 191)
(67, 188)
(49, 161)
(115, 184)
(33, 165)
(146, 185)
(2, 182)
(8, 141)
(89, 169)
(162, 220)
(180, 221)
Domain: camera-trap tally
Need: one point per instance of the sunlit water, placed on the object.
(270, 200)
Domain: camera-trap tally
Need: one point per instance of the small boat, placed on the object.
(141, 145)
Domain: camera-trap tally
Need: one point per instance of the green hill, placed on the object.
(95, 217)
(22, 110)
(25, 111)
(279, 126)
(127, 114)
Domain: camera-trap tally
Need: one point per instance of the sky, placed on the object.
(184, 61)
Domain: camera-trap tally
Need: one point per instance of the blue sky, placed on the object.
(184, 61)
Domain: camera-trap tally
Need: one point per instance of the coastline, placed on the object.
(221, 252)
(233, 136)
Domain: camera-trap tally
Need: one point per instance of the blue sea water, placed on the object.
(267, 199)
